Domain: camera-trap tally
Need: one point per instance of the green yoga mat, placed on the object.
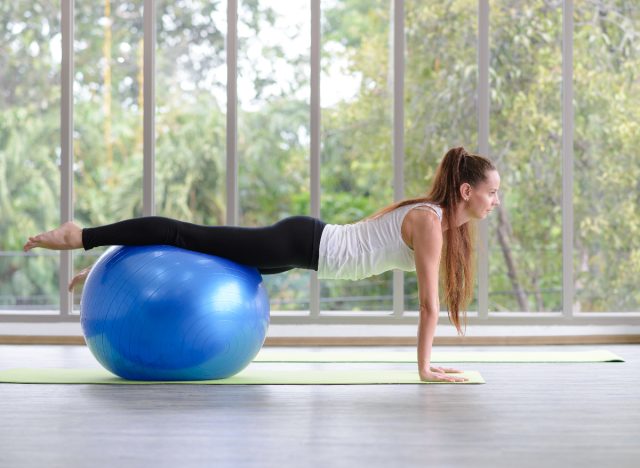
(277, 355)
(255, 376)
(249, 376)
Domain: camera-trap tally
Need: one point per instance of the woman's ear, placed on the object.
(465, 191)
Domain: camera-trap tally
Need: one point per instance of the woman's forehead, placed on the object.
(493, 179)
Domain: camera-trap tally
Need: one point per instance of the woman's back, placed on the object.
(366, 248)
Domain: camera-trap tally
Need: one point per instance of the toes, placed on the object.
(30, 244)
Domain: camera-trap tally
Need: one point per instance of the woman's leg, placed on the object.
(290, 243)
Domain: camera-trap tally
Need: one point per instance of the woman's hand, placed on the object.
(79, 278)
(444, 370)
(432, 376)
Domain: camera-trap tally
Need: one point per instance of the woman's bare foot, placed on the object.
(79, 278)
(66, 237)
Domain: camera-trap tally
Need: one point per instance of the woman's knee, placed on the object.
(168, 229)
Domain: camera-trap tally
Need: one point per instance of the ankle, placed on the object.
(73, 235)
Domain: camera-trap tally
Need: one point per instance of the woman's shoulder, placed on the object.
(426, 207)
(418, 221)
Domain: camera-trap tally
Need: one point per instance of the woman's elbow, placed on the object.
(429, 307)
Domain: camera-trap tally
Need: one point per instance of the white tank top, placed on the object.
(367, 248)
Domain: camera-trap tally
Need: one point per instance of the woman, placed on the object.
(407, 235)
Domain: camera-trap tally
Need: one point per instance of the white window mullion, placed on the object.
(66, 144)
(232, 113)
(398, 134)
(483, 148)
(567, 159)
(149, 115)
(314, 173)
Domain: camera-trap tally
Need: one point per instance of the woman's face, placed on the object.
(483, 198)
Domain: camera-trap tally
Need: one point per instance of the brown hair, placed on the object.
(458, 270)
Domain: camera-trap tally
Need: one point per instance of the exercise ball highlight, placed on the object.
(164, 313)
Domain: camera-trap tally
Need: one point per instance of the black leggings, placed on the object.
(293, 242)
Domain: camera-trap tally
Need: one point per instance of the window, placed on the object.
(525, 231)
(440, 92)
(356, 164)
(448, 101)
(29, 152)
(107, 126)
(273, 127)
(191, 79)
(606, 191)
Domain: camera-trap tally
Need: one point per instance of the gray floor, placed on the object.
(534, 415)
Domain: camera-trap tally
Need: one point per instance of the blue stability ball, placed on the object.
(164, 313)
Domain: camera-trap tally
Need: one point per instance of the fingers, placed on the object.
(455, 379)
(442, 377)
(451, 379)
(449, 370)
(458, 379)
(444, 370)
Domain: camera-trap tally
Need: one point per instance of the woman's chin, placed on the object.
(482, 214)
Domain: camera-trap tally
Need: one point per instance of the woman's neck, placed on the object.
(459, 218)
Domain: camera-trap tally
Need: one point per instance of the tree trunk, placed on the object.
(503, 238)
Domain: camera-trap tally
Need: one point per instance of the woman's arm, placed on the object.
(427, 246)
